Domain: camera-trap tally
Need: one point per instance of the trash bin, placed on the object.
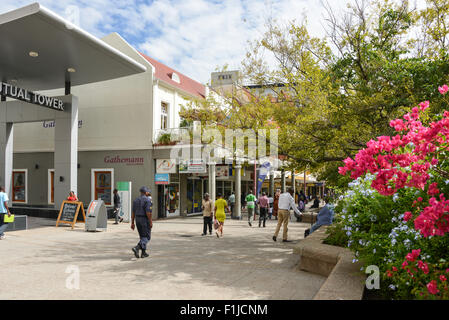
(97, 216)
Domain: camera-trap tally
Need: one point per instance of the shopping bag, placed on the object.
(8, 219)
(216, 224)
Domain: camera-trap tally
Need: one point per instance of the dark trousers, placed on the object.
(232, 209)
(3, 226)
(263, 216)
(207, 222)
(143, 227)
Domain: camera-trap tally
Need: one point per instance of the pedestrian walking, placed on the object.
(4, 210)
(231, 202)
(286, 202)
(250, 205)
(207, 214)
(276, 203)
(219, 213)
(142, 215)
(117, 206)
(263, 205)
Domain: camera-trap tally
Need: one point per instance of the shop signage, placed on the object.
(198, 166)
(128, 160)
(162, 178)
(68, 213)
(51, 124)
(192, 166)
(124, 191)
(222, 171)
(11, 91)
(165, 165)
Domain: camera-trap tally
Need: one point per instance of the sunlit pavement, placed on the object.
(43, 263)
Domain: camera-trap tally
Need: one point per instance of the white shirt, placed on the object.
(286, 202)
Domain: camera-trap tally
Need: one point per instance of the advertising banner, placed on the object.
(166, 166)
(192, 166)
(222, 171)
(124, 192)
(263, 172)
(162, 178)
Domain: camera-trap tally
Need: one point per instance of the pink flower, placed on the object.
(423, 266)
(405, 263)
(407, 216)
(433, 189)
(395, 269)
(389, 274)
(416, 253)
(443, 89)
(419, 199)
(424, 105)
(432, 287)
(443, 278)
(409, 257)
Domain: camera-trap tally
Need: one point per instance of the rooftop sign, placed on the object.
(11, 91)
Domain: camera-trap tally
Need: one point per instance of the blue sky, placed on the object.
(192, 36)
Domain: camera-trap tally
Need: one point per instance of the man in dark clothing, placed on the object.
(117, 206)
(142, 214)
(316, 203)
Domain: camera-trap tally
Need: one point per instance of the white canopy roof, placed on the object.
(60, 45)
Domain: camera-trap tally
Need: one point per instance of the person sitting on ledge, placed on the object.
(72, 196)
(316, 203)
(325, 217)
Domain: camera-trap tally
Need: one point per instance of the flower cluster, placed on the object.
(406, 161)
(413, 159)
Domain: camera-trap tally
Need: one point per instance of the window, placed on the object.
(164, 115)
(102, 185)
(175, 77)
(19, 185)
(51, 186)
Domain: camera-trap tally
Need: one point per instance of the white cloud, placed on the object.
(193, 36)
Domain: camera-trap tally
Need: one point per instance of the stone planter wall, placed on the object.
(345, 281)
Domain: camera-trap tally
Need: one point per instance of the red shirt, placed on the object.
(263, 202)
(72, 199)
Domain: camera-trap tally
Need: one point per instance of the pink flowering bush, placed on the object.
(415, 158)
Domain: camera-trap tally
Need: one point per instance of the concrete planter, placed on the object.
(344, 279)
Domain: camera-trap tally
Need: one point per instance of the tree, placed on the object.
(329, 103)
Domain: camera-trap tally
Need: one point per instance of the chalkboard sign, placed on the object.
(69, 212)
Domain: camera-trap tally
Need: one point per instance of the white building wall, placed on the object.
(174, 98)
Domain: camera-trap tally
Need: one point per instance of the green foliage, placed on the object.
(372, 227)
(164, 139)
(327, 104)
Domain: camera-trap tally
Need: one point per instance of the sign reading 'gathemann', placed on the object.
(24, 95)
(127, 161)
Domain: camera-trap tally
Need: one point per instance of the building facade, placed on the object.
(122, 124)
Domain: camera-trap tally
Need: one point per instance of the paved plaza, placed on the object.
(244, 264)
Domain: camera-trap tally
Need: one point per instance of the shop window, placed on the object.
(102, 185)
(164, 115)
(19, 185)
